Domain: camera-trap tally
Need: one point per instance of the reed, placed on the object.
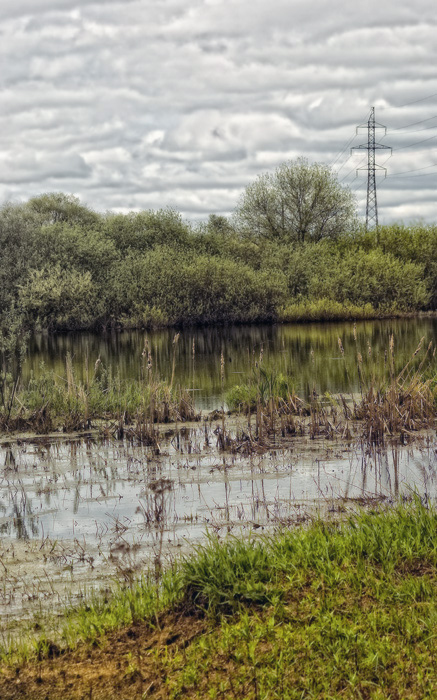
(53, 401)
(388, 403)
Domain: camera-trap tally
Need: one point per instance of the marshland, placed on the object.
(125, 455)
(199, 495)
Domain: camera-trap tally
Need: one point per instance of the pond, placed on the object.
(309, 353)
(77, 514)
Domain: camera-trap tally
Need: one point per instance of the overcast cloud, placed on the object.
(139, 104)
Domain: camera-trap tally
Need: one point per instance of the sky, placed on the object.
(141, 104)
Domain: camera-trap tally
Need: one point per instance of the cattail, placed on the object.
(340, 345)
(176, 338)
(355, 332)
(360, 358)
(369, 347)
(420, 345)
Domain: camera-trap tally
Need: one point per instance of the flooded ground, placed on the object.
(82, 514)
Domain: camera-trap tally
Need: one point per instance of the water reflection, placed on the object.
(77, 515)
(96, 490)
(309, 353)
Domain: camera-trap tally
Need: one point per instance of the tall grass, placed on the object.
(50, 400)
(223, 575)
(387, 403)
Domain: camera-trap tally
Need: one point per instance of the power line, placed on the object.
(342, 166)
(416, 143)
(422, 99)
(415, 131)
(341, 152)
(406, 172)
(407, 104)
(422, 121)
(351, 171)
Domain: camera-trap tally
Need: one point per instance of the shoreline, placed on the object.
(297, 317)
(329, 596)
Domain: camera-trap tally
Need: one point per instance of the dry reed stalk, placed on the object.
(69, 375)
(175, 342)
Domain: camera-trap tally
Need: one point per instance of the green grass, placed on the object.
(335, 610)
(265, 385)
(143, 599)
(51, 401)
(324, 309)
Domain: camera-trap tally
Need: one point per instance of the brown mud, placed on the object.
(123, 665)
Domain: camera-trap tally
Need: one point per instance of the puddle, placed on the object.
(78, 515)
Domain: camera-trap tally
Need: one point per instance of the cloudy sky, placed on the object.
(134, 104)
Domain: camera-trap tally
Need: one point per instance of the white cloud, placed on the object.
(183, 102)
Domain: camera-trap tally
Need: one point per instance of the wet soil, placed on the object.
(124, 665)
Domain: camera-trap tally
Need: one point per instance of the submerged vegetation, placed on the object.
(342, 609)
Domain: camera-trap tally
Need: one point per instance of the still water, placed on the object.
(77, 514)
(308, 353)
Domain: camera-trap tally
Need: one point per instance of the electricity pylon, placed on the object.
(371, 146)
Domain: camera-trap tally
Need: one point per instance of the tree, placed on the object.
(54, 207)
(298, 202)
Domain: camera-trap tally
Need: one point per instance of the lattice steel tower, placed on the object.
(372, 167)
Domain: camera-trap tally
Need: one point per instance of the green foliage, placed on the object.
(13, 343)
(416, 243)
(374, 278)
(298, 202)
(55, 207)
(326, 310)
(266, 385)
(72, 246)
(19, 226)
(145, 230)
(202, 289)
(71, 268)
(56, 297)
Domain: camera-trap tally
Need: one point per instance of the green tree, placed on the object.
(13, 343)
(19, 226)
(56, 298)
(54, 207)
(144, 230)
(300, 201)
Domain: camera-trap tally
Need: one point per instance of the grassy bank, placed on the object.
(335, 610)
